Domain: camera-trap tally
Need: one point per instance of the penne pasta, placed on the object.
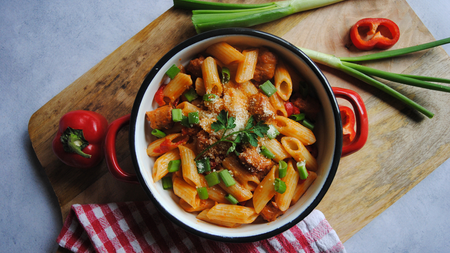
(283, 201)
(176, 87)
(248, 180)
(163, 145)
(225, 53)
(204, 204)
(248, 88)
(162, 162)
(299, 152)
(187, 107)
(200, 86)
(232, 213)
(265, 190)
(185, 191)
(283, 81)
(303, 185)
(236, 103)
(238, 191)
(274, 146)
(204, 217)
(292, 128)
(188, 166)
(215, 193)
(278, 105)
(211, 78)
(246, 68)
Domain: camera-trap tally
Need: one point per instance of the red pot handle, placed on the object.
(110, 151)
(362, 121)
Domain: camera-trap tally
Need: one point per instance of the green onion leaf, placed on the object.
(203, 165)
(158, 133)
(167, 183)
(212, 178)
(172, 71)
(227, 179)
(282, 169)
(265, 152)
(302, 170)
(279, 186)
(202, 192)
(190, 95)
(267, 88)
(174, 165)
(177, 115)
(232, 199)
(193, 118)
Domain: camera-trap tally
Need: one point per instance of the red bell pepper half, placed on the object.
(369, 33)
(79, 140)
(348, 124)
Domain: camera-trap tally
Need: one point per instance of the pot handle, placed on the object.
(362, 121)
(110, 151)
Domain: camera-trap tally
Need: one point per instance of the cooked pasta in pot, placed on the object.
(238, 146)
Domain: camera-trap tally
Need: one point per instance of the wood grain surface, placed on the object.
(402, 149)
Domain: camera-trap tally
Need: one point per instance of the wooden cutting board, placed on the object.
(402, 149)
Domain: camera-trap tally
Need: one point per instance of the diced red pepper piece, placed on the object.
(159, 95)
(348, 124)
(291, 108)
(369, 33)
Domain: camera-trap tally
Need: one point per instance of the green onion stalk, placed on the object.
(212, 15)
(366, 74)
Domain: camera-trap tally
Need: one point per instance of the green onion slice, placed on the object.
(172, 71)
(226, 177)
(272, 133)
(203, 165)
(268, 88)
(190, 94)
(158, 133)
(185, 121)
(212, 178)
(282, 169)
(202, 192)
(167, 183)
(279, 186)
(225, 75)
(193, 118)
(302, 170)
(210, 97)
(265, 152)
(174, 165)
(177, 115)
(232, 199)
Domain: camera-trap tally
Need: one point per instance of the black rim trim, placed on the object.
(269, 37)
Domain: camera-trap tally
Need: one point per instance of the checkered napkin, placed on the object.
(138, 227)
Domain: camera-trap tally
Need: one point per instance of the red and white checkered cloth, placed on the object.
(138, 227)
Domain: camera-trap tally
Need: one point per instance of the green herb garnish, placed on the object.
(249, 134)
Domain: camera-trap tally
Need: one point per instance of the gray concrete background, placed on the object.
(46, 45)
